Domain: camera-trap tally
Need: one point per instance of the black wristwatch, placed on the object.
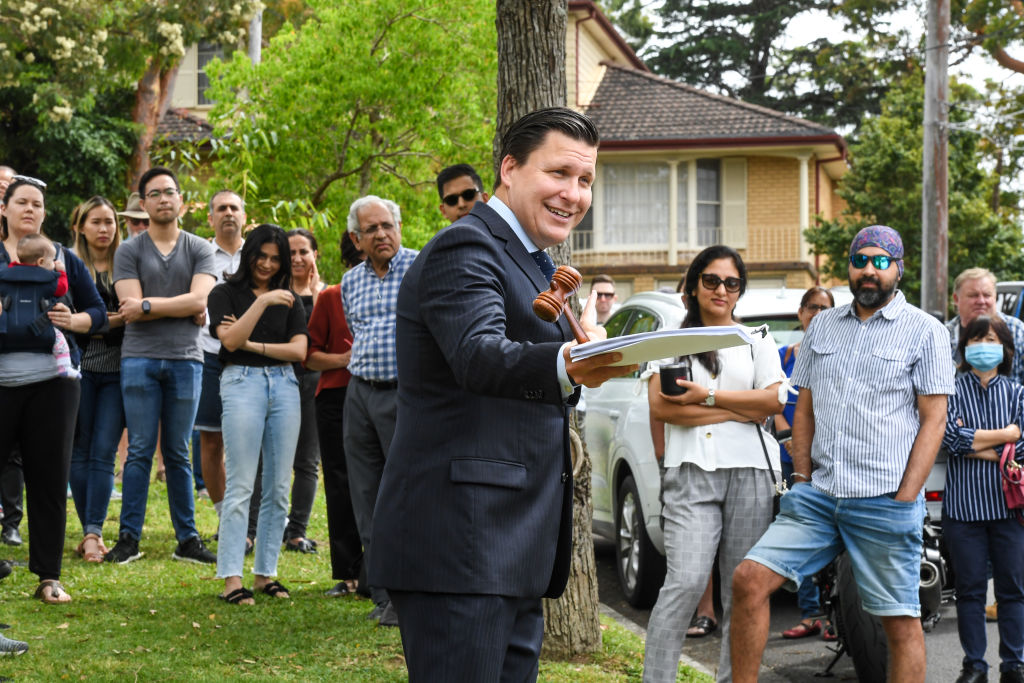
(146, 307)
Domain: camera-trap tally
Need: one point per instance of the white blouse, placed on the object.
(726, 444)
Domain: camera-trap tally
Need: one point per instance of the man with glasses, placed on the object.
(460, 188)
(136, 219)
(369, 294)
(874, 378)
(604, 286)
(162, 280)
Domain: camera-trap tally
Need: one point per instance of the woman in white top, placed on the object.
(717, 488)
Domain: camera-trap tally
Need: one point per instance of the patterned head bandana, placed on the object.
(881, 236)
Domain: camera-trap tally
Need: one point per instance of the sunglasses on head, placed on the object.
(711, 281)
(467, 195)
(30, 180)
(879, 261)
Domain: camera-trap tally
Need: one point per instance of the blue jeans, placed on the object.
(159, 394)
(808, 597)
(100, 423)
(882, 537)
(971, 546)
(260, 411)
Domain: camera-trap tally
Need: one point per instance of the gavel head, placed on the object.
(564, 283)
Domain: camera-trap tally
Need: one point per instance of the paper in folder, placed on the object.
(647, 346)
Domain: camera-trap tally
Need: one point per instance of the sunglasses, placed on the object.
(711, 282)
(879, 261)
(30, 180)
(467, 195)
(139, 221)
(605, 295)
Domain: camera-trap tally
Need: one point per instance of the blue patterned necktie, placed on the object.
(544, 262)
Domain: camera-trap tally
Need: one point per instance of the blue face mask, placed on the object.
(984, 356)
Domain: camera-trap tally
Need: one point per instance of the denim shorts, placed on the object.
(881, 535)
(208, 414)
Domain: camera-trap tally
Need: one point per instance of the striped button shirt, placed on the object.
(973, 489)
(864, 379)
(1016, 329)
(370, 309)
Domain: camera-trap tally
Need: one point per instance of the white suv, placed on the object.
(625, 479)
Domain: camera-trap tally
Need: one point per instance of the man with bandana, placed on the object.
(874, 378)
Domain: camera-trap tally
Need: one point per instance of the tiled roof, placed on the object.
(636, 106)
(178, 125)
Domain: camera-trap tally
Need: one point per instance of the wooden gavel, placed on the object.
(550, 304)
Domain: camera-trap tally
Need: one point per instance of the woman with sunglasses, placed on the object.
(262, 330)
(38, 407)
(101, 410)
(814, 301)
(984, 414)
(717, 489)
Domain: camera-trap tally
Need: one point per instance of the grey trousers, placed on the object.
(369, 427)
(725, 511)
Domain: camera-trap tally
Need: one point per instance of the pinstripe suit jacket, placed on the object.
(476, 496)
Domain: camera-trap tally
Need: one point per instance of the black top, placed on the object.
(277, 325)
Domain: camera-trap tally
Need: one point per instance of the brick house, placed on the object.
(680, 169)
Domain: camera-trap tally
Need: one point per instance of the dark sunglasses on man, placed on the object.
(879, 261)
(467, 195)
(604, 295)
(711, 282)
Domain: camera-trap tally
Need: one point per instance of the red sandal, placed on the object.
(803, 630)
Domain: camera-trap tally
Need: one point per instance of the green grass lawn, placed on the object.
(159, 620)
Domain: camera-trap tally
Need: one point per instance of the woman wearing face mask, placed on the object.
(986, 412)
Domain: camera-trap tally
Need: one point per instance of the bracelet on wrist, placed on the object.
(802, 476)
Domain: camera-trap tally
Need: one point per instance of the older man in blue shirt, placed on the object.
(874, 378)
(369, 294)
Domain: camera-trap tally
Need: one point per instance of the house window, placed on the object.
(635, 204)
(207, 53)
(709, 202)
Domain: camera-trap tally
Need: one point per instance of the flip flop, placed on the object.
(701, 626)
(236, 596)
(52, 592)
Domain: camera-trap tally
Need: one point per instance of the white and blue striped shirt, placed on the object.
(864, 379)
(974, 492)
(371, 308)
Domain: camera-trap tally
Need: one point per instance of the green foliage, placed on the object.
(884, 186)
(78, 158)
(369, 97)
(631, 20)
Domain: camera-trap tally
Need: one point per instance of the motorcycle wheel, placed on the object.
(861, 633)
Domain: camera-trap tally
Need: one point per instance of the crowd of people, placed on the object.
(449, 494)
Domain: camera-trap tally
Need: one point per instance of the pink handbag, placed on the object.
(1013, 478)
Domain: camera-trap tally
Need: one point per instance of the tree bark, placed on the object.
(151, 102)
(531, 75)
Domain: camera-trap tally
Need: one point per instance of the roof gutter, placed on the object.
(684, 143)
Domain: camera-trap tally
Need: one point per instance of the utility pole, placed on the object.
(935, 165)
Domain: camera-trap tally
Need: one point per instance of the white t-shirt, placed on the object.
(726, 444)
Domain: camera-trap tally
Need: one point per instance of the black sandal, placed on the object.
(236, 596)
(274, 588)
(701, 626)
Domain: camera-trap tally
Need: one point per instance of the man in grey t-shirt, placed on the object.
(162, 278)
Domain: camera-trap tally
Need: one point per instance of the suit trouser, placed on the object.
(346, 547)
(726, 510)
(480, 638)
(369, 427)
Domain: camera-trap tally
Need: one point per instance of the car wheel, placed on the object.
(641, 568)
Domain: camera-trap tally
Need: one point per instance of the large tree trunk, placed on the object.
(151, 101)
(531, 75)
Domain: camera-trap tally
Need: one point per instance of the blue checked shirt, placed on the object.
(974, 492)
(864, 379)
(1016, 329)
(370, 310)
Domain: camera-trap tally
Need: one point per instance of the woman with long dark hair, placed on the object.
(262, 329)
(38, 407)
(101, 410)
(717, 489)
(984, 415)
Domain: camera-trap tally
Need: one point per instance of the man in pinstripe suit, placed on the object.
(874, 377)
(473, 522)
